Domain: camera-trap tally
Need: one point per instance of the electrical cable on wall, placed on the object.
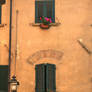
(16, 40)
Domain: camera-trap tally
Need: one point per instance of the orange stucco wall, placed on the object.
(73, 68)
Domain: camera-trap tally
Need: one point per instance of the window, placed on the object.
(45, 78)
(44, 8)
(1, 3)
(3, 78)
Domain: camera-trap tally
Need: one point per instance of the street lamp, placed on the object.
(14, 84)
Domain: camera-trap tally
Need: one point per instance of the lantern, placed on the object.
(14, 84)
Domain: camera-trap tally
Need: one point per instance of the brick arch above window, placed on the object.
(49, 53)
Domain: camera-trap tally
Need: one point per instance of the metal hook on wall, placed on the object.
(80, 41)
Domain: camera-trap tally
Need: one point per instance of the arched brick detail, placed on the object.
(50, 53)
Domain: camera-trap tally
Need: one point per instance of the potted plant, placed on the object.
(45, 22)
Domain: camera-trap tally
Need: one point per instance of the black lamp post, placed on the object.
(13, 84)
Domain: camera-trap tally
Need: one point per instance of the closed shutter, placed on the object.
(50, 77)
(49, 9)
(53, 11)
(50, 6)
(3, 78)
(39, 8)
(45, 78)
(40, 78)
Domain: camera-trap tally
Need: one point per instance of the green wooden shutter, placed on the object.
(39, 8)
(50, 78)
(36, 15)
(45, 8)
(40, 78)
(3, 78)
(45, 78)
(0, 13)
(53, 11)
(50, 9)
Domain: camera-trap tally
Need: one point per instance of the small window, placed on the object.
(44, 8)
(45, 78)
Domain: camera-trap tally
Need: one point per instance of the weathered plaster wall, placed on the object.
(74, 67)
(4, 34)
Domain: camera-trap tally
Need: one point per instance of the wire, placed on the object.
(16, 40)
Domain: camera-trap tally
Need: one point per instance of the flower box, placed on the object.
(43, 26)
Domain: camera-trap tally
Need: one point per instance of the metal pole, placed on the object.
(10, 38)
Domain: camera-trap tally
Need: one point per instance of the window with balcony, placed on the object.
(44, 8)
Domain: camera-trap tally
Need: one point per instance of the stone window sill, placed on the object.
(2, 25)
(38, 24)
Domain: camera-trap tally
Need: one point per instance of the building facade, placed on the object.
(66, 44)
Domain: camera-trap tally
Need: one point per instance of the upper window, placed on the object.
(44, 8)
